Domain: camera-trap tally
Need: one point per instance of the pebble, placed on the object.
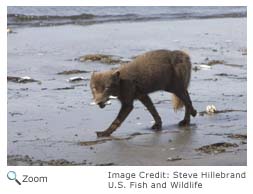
(174, 159)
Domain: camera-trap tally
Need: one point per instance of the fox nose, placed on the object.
(101, 104)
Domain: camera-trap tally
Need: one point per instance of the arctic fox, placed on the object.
(152, 71)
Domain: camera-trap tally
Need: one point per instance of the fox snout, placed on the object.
(103, 85)
(100, 100)
(101, 104)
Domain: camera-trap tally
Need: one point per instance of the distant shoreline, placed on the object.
(50, 16)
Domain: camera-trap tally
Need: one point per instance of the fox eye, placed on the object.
(107, 88)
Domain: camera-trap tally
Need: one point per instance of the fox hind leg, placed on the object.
(193, 111)
(189, 110)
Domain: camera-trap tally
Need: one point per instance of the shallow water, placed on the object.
(53, 16)
(45, 123)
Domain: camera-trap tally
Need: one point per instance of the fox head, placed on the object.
(103, 85)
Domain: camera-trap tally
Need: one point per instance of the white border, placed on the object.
(93, 179)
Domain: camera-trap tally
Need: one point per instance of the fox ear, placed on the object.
(115, 75)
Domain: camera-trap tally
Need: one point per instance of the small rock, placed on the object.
(237, 136)
(201, 67)
(75, 71)
(215, 62)
(65, 88)
(216, 147)
(113, 97)
(174, 159)
(108, 102)
(135, 134)
(25, 79)
(9, 30)
(93, 103)
(106, 164)
(75, 79)
(108, 59)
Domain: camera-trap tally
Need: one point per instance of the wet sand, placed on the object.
(51, 122)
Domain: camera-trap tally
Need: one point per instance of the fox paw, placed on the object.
(184, 123)
(157, 126)
(194, 113)
(102, 134)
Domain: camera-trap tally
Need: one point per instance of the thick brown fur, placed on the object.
(153, 71)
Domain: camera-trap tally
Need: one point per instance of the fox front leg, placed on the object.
(123, 113)
(145, 99)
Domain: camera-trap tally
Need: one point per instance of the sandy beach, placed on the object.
(52, 121)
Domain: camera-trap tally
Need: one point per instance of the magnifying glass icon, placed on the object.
(11, 175)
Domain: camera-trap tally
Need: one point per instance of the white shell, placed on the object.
(75, 79)
(108, 102)
(113, 97)
(9, 30)
(206, 67)
(94, 103)
(210, 109)
(26, 78)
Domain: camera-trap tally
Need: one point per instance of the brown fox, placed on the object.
(152, 71)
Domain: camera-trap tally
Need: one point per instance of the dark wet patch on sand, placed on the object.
(207, 64)
(74, 71)
(77, 79)
(22, 80)
(229, 95)
(100, 141)
(233, 65)
(243, 51)
(232, 76)
(95, 142)
(30, 161)
(106, 164)
(215, 62)
(65, 88)
(216, 147)
(226, 75)
(15, 114)
(27, 160)
(238, 136)
(102, 58)
(230, 135)
(171, 159)
(211, 79)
